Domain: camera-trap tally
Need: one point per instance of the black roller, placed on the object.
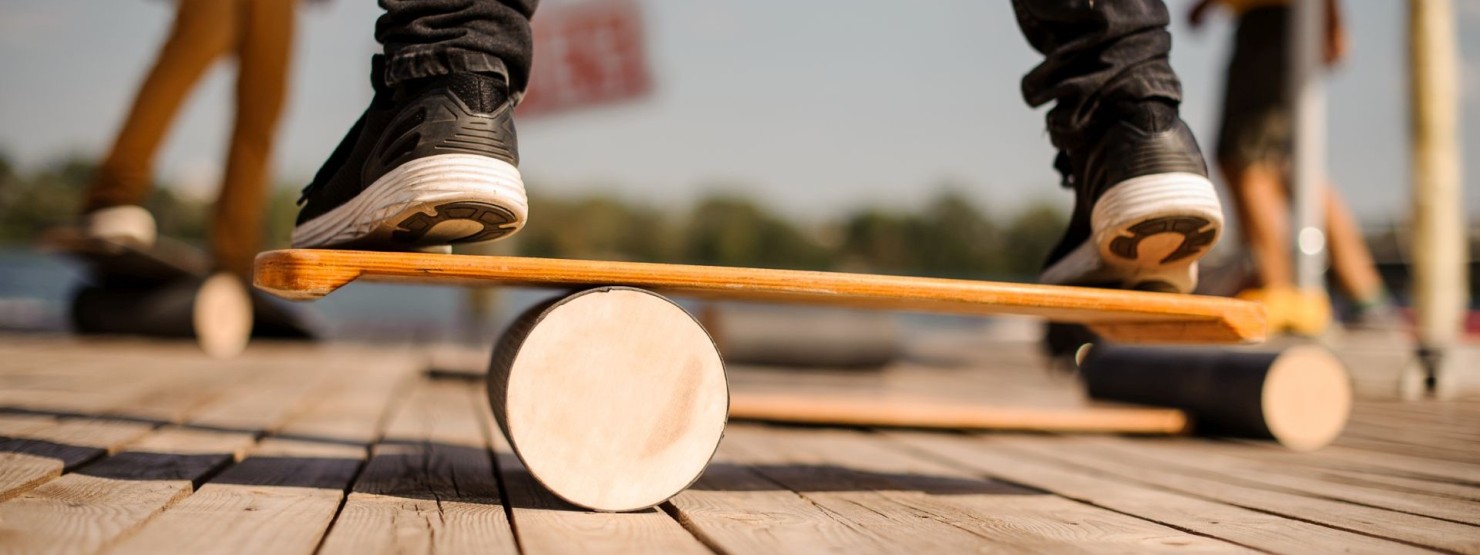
(215, 311)
(1300, 396)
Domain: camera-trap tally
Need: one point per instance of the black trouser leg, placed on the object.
(423, 38)
(1095, 51)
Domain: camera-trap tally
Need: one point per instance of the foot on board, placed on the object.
(124, 224)
(431, 162)
(1144, 211)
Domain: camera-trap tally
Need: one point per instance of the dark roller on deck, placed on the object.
(1299, 396)
(216, 311)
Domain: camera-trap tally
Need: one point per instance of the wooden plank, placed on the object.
(1367, 462)
(1254, 529)
(920, 412)
(546, 524)
(737, 510)
(247, 398)
(875, 484)
(30, 457)
(115, 380)
(1242, 471)
(83, 511)
(1387, 444)
(283, 497)
(429, 485)
(1399, 484)
(1122, 315)
(1212, 485)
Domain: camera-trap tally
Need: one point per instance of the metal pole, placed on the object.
(1439, 252)
(1307, 31)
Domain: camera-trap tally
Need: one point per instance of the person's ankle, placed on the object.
(1151, 114)
(483, 92)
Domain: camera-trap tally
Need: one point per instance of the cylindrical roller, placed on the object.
(1300, 396)
(216, 311)
(614, 398)
(807, 337)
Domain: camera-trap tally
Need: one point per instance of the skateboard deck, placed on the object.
(1127, 316)
(120, 264)
(135, 271)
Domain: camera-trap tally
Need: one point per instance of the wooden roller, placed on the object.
(216, 311)
(614, 398)
(1300, 396)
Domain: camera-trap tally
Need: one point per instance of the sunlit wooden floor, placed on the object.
(132, 446)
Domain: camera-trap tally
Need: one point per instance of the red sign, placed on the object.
(585, 54)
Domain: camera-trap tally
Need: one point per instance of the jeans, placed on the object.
(424, 38)
(1095, 51)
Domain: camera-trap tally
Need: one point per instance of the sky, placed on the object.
(815, 108)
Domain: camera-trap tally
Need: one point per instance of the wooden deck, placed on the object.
(151, 448)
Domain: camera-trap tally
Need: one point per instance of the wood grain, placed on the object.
(613, 398)
(1213, 485)
(430, 484)
(1245, 472)
(546, 524)
(280, 499)
(1255, 529)
(890, 490)
(1121, 315)
(283, 497)
(29, 457)
(84, 511)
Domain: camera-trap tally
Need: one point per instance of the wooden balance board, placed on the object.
(1127, 316)
(165, 290)
(615, 398)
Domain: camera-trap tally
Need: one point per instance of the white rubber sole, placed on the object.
(426, 203)
(1148, 233)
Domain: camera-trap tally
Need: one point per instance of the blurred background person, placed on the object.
(259, 34)
(1253, 152)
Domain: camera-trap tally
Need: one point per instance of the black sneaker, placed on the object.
(1144, 210)
(430, 163)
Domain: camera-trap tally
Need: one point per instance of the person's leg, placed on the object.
(434, 161)
(428, 38)
(1264, 208)
(202, 32)
(1095, 54)
(264, 52)
(1145, 211)
(1351, 261)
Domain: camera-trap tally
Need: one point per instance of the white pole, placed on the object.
(1440, 287)
(1307, 30)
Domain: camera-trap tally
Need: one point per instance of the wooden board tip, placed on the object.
(1239, 322)
(298, 274)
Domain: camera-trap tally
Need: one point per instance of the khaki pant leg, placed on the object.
(264, 53)
(203, 30)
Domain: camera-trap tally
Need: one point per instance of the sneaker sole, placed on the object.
(426, 204)
(1149, 233)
